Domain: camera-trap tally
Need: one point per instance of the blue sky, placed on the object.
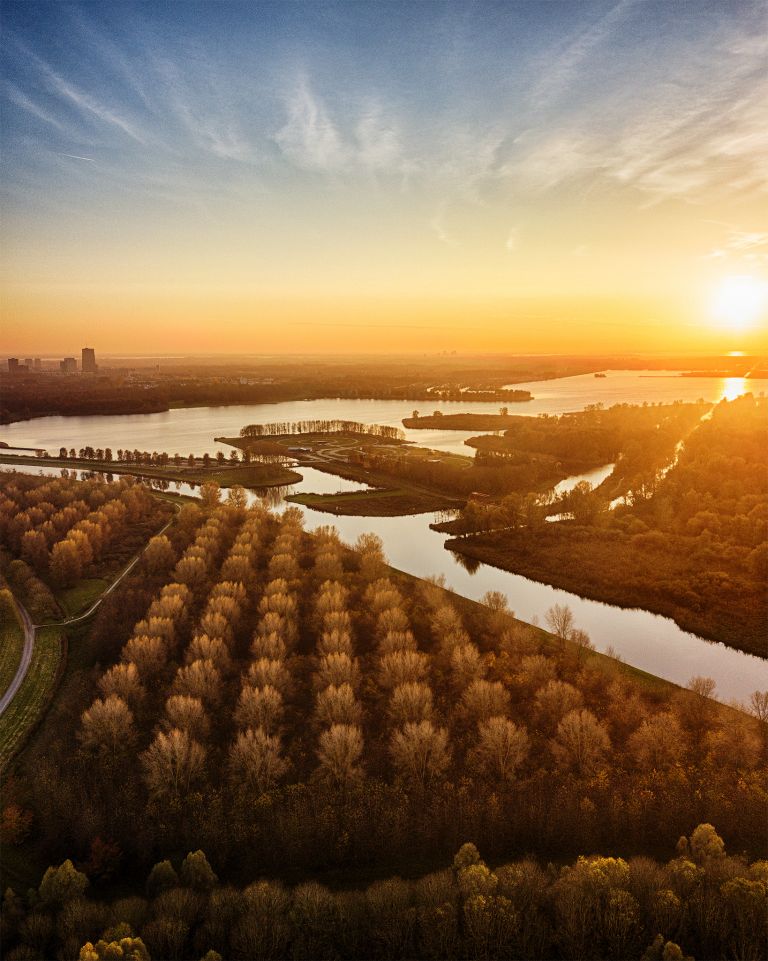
(367, 137)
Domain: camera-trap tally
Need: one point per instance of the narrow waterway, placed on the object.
(655, 644)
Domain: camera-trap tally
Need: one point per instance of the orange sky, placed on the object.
(470, 178)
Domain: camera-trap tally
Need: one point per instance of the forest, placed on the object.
(688, 539)
(330, 732)
(594, 436)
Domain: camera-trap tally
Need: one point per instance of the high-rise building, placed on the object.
(38, 365)
(89, 360)
(28, 362)
(13, 365)
(68, 365)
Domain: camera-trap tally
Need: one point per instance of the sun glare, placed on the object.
(739, 301)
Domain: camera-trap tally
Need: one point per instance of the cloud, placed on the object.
(377, 139)
(309, 137)
(74, 156)
(437, 225)
(558, 71)
(19, 98)
(88, 105)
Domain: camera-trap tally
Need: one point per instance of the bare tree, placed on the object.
(391, 619)
(108, 725)
(420, 752)
(337, 669)
(199, 679)
(402, 667)
(265, 672)
(394, 641)
(758, 705)
(535, 671)
(269, 645)
(659, 742)
(124, 681)
(483, 700)
(335, 642)
(370, 550)
(410, 703)
(337, 621)
(338, 705)
(339, 752)
(581, 742)
(172, 763)
(559, 620)
(187, 714)
(554, 700)
(149, 654)
(256, 761)
(260, 707)
(203, 647)
(501, 748)
(467, 665)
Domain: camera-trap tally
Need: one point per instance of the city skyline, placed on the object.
(364, 177)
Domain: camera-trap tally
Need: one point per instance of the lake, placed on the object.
(191, 430)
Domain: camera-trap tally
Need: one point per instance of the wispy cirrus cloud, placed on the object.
(88, 105)
(567, 61)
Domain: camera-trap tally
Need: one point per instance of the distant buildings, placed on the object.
(69, 365)
(14, 367)
(88, 365)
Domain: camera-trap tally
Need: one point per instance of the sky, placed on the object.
(514, 177)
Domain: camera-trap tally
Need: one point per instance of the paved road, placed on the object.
(26, 657)
(30, 628)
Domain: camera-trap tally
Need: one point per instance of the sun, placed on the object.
(739, 301)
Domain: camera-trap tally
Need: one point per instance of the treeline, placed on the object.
(690, 540)
(702, 903)
(40, 395)
(638, 435)
(152, 458)
(442, 421)
(718, 488)
(290, 428)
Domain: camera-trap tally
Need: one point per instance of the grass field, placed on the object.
(75, 600)
(245, 475)
(385, 502)
(34, 693)
(11, 641)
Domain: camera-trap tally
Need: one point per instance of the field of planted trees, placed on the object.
(319, 725)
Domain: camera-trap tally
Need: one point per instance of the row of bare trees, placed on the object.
(289, 428)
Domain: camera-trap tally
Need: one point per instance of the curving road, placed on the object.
(26, 657)
(30, 629)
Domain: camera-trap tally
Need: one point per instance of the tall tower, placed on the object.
(88, 365)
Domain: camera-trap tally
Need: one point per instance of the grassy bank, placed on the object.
(11, 640)
(661, 575)
(463, 421)
(386, 502)
(74, 600)
(243, 475)
(35, 693)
